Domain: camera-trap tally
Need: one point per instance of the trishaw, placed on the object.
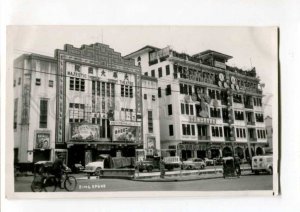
(230, 167)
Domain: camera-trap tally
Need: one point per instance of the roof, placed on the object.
(268, 117)
(147, 48)
(212, 52)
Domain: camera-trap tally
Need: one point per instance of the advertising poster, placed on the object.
(42, 141)
(84, 132)
(128, 134)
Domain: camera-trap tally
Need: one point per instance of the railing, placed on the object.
(250, 123)
(203, 137)
(248, 106)
(252, 139)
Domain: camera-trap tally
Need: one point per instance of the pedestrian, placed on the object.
(162, 168)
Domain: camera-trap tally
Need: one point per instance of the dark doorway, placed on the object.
(239, 152)
(39, 155)
(215, 153)
(76, 154)
(259, 151)
(227, 152)
(186, 154)
(201, 154)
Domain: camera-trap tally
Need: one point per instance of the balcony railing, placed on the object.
(250, 123)
(248, 106)
(203, 137)
(252, 139)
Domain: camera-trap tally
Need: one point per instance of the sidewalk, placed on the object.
(185, 175)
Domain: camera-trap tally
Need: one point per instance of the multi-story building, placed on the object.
(206, 108)
(269, 130)
(81, 103)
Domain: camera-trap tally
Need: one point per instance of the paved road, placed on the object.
(250, 182)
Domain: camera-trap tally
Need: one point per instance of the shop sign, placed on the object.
(42, 141)
(125, 123)
(128, 134)
(77, 74)
(220, 65)
(201, 120)
(85, 132)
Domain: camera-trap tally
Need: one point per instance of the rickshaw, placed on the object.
(230, 167)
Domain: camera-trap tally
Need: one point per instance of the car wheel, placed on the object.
(98, 171)
(149, 169)
(256, 172)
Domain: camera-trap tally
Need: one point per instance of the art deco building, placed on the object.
(81, 103)
(206, 108)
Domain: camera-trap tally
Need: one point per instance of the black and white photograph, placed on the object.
(176, 109)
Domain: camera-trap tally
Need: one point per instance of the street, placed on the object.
(248, 182)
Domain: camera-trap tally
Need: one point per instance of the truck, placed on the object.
(151, 163)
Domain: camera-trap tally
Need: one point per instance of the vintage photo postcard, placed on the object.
(135, 111)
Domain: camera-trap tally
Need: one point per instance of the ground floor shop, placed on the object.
(216, 150)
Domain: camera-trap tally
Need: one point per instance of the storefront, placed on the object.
(42, 151)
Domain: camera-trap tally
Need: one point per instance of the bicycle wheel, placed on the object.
(70, 183)
(37, 185)
(50, 184)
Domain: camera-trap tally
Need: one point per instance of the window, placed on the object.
(152, 73)
(43, 113)
(145, 96)
(146, 73)
(181, 88)
(259, 117)
(237, 98)
(171, 131)
(14, 83)
(216, 131)
(131, 91)
(192, 109)
(19, 82)
(183, 129)
(37, 81)
(193, 129)
(82, 84)
(160, 72)
(215, 112)
(167, 70)
(72, 83)
(51, 83)
(182, 108)
(190, 90)
(239, 115)
(159, 92)
(126, 90)
(15, 113)
(122, 90)
(188, 129)
(150, 122)
(153, 97)
(76, 113)
(168, 90)
(187, 109)
(170, 110)
(91, 70)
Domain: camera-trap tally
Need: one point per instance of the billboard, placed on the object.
(84, 132)
(42, 141)
(128, 134)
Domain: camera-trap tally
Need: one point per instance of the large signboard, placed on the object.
(201, 120)
(125, 123)
(128, 134)
(84, 132)
(42, 141)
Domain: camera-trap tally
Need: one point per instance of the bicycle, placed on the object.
(48, 183)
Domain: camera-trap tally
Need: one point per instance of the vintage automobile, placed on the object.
(262, 163)
(209, 162)
(77, 168)
(172, 162)
(149, 164)
(94, 168)
(193, 163)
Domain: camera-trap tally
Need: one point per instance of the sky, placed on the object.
(249, 46)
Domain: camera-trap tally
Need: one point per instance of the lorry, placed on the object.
(262, 163)
(151, 163)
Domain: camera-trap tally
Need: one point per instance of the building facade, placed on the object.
(207, 109)
(81, 103)
(269, 129)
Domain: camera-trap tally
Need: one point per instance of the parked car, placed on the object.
(193, 163)
(77, 167)
(218, 161)
(148, 164)
(172, 162)
(262, 163)
(209, 162)
(94, 168)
